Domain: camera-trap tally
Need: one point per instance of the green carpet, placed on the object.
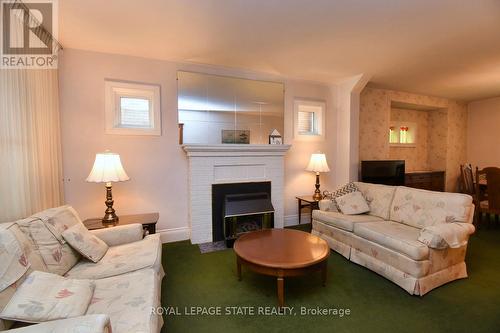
(376, 304)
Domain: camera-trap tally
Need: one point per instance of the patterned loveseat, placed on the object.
(125, 283)
(415, 238)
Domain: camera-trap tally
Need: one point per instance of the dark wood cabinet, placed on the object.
(426, 180)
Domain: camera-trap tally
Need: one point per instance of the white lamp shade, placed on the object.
(318, 163)
(107, 168)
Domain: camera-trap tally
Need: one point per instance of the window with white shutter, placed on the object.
(132, 109)
(135, 112)
(306, 123)
(309, 120)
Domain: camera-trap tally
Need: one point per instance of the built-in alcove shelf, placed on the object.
(403, 134)
(425, 127)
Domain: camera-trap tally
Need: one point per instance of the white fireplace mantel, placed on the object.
(235, 150)
(231, 163)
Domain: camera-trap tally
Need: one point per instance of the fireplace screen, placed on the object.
(245, 213)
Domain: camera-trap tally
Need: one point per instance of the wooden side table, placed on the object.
(148, 222)
(307, 201)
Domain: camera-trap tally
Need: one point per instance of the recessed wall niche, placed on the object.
(417, 134)
(215, 109)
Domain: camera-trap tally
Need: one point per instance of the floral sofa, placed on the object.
(415, 238)
(115, 294)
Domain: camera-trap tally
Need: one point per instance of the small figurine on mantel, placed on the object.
(275, 138)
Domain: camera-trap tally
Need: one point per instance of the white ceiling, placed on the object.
(448, 48)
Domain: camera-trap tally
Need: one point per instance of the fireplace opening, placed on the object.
(245, 213)
(238, 208)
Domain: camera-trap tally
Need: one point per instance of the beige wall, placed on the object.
(437, 139)
(483, 133)
(457, 143)
(347, 95)
(449, 125)
(157, 166)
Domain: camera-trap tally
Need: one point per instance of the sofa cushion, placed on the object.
(45, 296)
(34, 257)
(59, 219)
(342, 221)
(421, 208)
(86, 243)
(379, 198)
(57, 257)
(129, 300)
(345, 242)
(352, 203)
(122, 259)
(14, 263)
(395, 236)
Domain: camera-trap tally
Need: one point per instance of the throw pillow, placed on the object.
(85, 242)
(347, 188)
(352, 203)
(45, 296)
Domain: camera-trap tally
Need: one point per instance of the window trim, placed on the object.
(307, 105)
(115, 90)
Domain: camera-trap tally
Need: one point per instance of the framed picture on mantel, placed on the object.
(236, 136)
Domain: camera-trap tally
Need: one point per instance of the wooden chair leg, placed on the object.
(479, 219)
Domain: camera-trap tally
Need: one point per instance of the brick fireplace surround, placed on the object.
(219, 164)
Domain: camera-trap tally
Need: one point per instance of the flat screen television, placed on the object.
(388, 172)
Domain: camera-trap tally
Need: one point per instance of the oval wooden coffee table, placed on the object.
(281, 253)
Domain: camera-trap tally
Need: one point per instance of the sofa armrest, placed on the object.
(441, 236)
(119, 235)
(327, 205)
(98, 323)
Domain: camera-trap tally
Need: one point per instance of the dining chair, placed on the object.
(468, 187)
(489, 200)
(467, 179)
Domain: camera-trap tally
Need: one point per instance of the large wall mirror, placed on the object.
(219, 109)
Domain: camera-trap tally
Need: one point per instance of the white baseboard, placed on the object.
(173, 234)
(183, 233)
(294, 219)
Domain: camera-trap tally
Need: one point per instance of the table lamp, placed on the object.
(317, 164)
(108, 168)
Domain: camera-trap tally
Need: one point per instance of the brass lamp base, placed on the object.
(317, 193)
(109, 214)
